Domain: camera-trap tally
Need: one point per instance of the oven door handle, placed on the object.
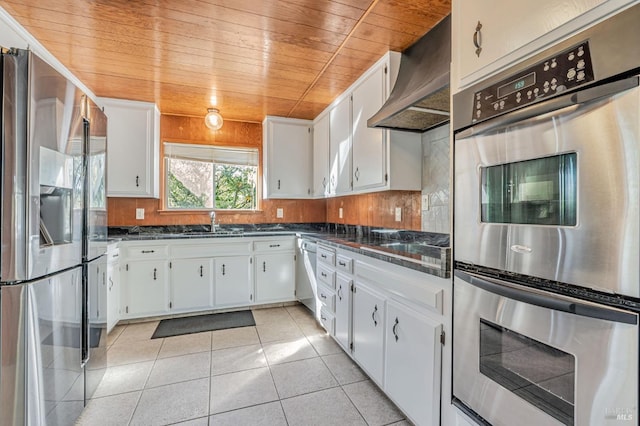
(548, 300)
(553, 104)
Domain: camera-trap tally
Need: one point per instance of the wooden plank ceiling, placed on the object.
(249, 58)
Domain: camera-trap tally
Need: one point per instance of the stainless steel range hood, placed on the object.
(420, 97)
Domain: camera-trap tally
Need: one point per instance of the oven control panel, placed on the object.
(564, 71)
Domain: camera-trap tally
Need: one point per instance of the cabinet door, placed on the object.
(369, 145)
(504, 28)
(133, 154)
(368, 330)
(288, 158)
(340, 148)
(146, 288)
(413, 363)
(275, 280)
(343, 309)
(113, 294)
(321, 157)
(191, 284)
(233, 285)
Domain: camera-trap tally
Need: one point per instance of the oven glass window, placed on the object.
(533, 192)
(538, 373)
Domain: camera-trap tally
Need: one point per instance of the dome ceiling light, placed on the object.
(213, 119)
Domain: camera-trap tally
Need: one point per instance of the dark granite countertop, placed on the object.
(423, 251)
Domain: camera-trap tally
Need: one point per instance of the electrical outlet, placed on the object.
(398, 214)
(279, 213)
(139, 214)
(340, 213)
(425, 202)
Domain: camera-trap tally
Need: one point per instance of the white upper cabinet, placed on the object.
(288, 157)
(340, 148)
(488, 35)
(363, 159)
(321, 174)
(133, 135)
(369, 145)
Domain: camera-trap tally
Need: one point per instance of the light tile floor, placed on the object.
(284, 371)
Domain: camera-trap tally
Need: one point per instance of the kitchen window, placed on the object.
(210, 177)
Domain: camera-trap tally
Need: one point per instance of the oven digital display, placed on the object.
(517, 84)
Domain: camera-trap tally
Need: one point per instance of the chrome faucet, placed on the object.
(213, 221)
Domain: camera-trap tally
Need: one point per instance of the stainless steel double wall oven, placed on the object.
(546, 231)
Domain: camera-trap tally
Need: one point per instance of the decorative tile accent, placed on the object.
(436, 180)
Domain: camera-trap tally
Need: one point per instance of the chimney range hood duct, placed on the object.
(420, 97)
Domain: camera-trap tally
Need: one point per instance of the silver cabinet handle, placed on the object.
(200, 270)
(264, 266)
(148, 251)
(323, 274)
(278, 183)
(323, 296)
(373, 316)
(477, 39)
(155, 274)
(322, 317)
(274, 245)
(340, 292)
(342, 263)
(324, 256)
(395, 327)
(324, 182)
(357, 173)
(223, 271)
(137, 181)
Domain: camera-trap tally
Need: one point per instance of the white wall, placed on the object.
(435, 179)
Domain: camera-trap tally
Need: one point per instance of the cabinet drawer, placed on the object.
(326, 275)
(210, 249)
(113, 254)
(344, 263)
(274, 245)
(327, 321)
(326, 255)
(327, 298)
(146, 252)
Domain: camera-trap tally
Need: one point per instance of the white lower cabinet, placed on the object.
(343, 310)
(368, 330)
(113, 288)
(275, 280)
(233, 286)
(175, 276)
(391, 320)
(191, 284)
(146, 288)
(412, 363)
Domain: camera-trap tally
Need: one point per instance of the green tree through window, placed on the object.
(195, 180)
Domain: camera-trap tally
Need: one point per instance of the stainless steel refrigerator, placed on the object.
(46, 337)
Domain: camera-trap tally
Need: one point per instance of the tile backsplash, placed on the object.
(436, 180)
